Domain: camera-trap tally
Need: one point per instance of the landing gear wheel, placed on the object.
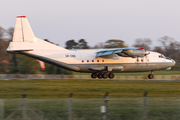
(105, 75)
(111, 75)
(100, 75)
(150, 76)
(94, 75)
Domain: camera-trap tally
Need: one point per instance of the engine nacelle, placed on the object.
(133, 53)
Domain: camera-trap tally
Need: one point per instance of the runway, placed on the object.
(90, 79)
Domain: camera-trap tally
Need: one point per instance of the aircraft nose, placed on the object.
(173, 62)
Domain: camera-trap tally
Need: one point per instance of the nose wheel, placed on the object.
(101, 75)
(151, 76)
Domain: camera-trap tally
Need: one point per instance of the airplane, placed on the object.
(102, 63)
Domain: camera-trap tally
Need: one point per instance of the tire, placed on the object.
(94, 75)
(105, 75)
(100, 75)
(150, 76)
(111, 75)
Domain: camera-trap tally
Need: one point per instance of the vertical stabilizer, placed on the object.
(23, 31)
(24, 39)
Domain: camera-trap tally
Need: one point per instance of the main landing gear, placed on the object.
(151, 76)
(111, 75)
(103, 75)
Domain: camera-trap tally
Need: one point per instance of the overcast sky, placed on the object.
(96, 20)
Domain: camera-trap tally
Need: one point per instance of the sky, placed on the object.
(96, 21)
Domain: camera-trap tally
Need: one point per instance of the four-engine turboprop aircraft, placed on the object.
(102, 63)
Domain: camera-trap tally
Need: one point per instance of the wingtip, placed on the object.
(21, 16)
(140, 48)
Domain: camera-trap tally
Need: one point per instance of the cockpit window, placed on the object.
(168, 58)
(162, 56)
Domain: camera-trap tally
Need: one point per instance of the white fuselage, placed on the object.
(82, 60)
(91, 60)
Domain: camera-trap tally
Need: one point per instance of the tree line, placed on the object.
(17, 63)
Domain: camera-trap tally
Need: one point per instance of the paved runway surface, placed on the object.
(89, 79)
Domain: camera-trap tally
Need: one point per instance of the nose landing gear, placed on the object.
(151, 76)
(101, 75)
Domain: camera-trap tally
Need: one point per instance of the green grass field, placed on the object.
(87, 88)
(126, 101)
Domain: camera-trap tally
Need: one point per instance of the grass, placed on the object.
(158, 108)
(125, 103)
(87, 89)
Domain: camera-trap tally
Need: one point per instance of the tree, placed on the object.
(159, 49)
(4, 56)
(99, 45)
(10, 32)
(70, 44)
(167, 41)
(82, 44)
(13, 64)
(27, 65)
(143, 42)
(2, 33)
(52, 69)
(171, 48)
(113, 43)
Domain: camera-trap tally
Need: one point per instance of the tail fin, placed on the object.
(24, 39)
(23, 31)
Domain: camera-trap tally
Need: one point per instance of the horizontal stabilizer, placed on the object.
(19, 46)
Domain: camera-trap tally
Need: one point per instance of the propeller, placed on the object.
(145, 53)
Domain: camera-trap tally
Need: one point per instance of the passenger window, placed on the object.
(137, 59)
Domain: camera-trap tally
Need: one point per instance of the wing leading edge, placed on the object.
(125, 52)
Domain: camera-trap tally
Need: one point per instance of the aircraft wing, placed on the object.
(108, 52)
(124, 52)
